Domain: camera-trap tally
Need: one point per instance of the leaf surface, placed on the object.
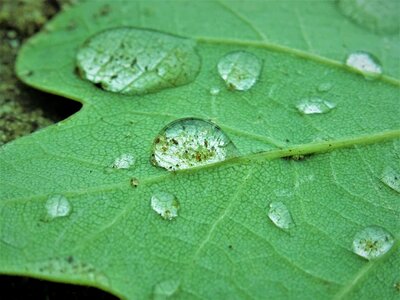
(222, 244)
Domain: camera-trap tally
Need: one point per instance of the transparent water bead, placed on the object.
(58, 206)
(315, 106)
(165, 289)
(214, 91)
(137, 61)
(240, 70)
(364, 62)
(165, 204)
(280, 215)
(188, 143)
(125, 161)
(372, 242)
(381, 16)
(391, 178)
(324, 87)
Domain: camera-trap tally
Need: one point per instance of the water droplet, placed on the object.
(188, 143)
(365, 63)
(137, 61)
(214, 91)
(134, 182)
(240, 70)
(391, 178)
(379, 16)
(125, 161)
(372, 242)
(165, 204)
(58, 206)
(314, 106)
(165, 289)
(280, 215)
(324, 87)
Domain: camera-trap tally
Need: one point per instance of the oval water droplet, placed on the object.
(324, 87)
(280, 215)
(391, 178)
(58, 206)
(315, 106)
(214, 91)
(188, 143)
(165, 204)
(372, 242)
(125, 161)
(165, 289)
(365, 63)
(240, 70)
(137, 61)
(381, 16)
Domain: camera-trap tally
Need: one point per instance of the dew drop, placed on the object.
(214, 91)
(165, 289)
(125, 161)
(240, 70)
(380, 16)
(391, 178)
(188, 143)
(372, 242)
(365, 63)
(324, 87)
(58, 206)
(280, 215)
(136, 61)
(314, 106)
(165, 204)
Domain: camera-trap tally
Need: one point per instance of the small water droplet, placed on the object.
(280, 215)
(214, 91)
(379, 16)
(165, 204)
(188, 143)
(125, 161)
(324, 87)
(372, 242)
(365, 63)
(134, 182)
(240, 70)
(137, 61)
(315, 106)
(391, 178)
(165, 289)
(58, 206)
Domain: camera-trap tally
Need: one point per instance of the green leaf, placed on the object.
(329, 170)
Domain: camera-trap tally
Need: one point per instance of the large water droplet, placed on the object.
(372, 242)
(315, 106)
(280, 215)
(391, 178)
(58, 206)
(240, 70)
(188, 143)
(165, 204)
(137, 61)
(165, 289)
(380, 16)
(125, 161)
(365, 63)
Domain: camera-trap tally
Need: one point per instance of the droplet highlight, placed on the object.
(165, 289)
(380, 16)
(391, 178)
(165, 204)
(136, 61)
(125, 161)
(365, 63)
(240, 70)
(311, 106)
(189, 143)
(279, 215)
(372, 242)
(58, 206)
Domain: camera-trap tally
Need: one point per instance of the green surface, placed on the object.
(222, 245)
